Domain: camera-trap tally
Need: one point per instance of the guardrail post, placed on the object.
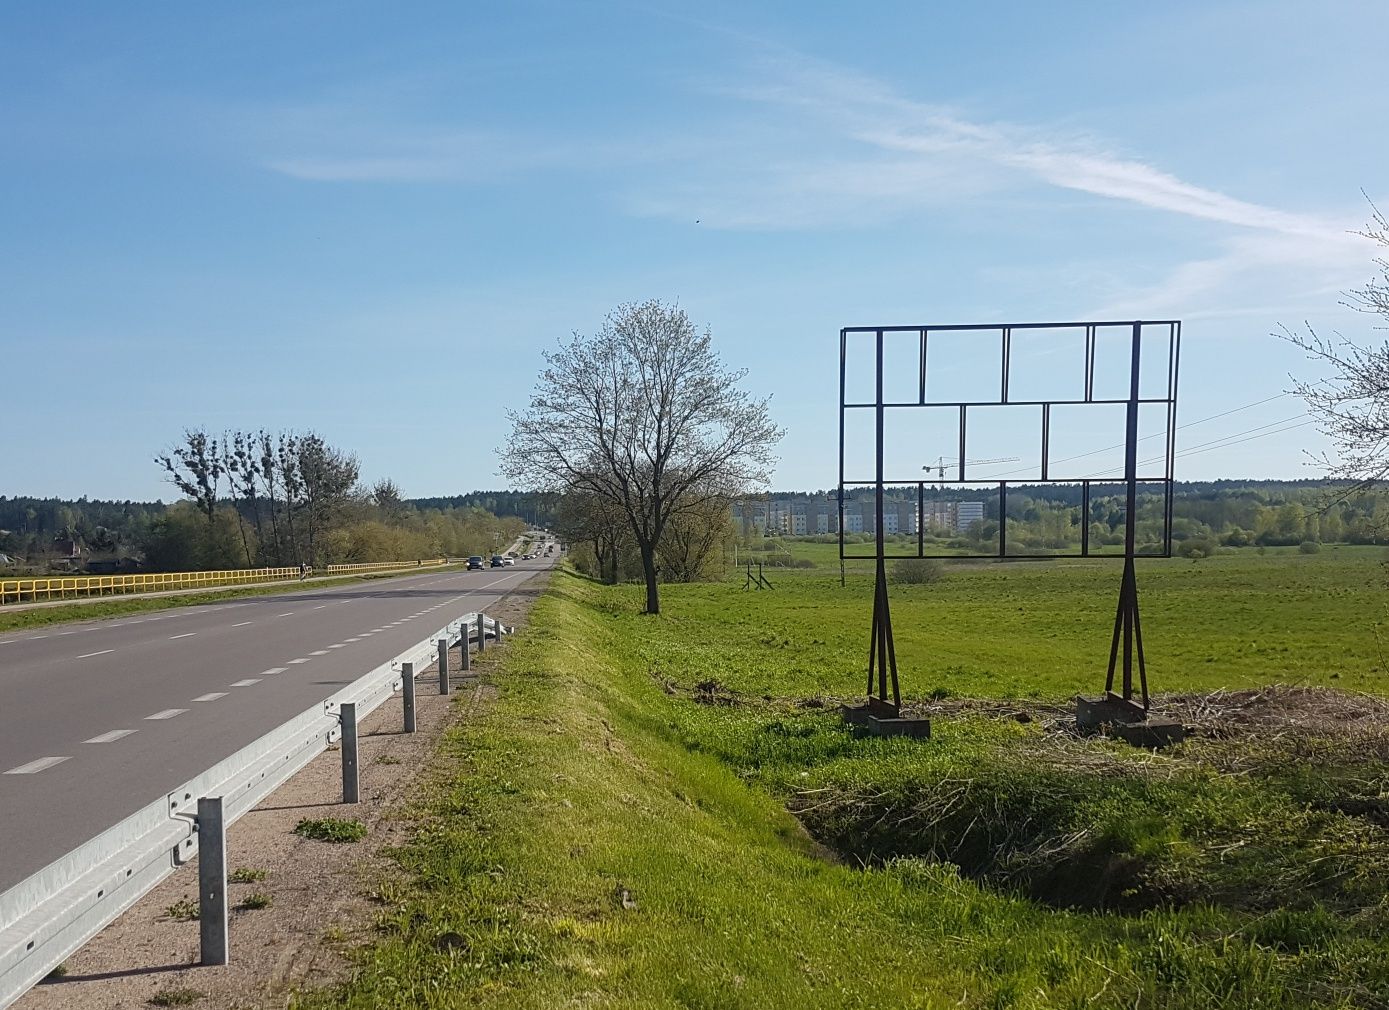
(407, 688)
(348, 717)
(212, 881)
(443, 644)
(466, 633)
(481, 631)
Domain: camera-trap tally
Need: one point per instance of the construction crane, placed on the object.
(943, 461)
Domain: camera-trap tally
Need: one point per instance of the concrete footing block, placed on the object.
(1127, 721)
(881, 718)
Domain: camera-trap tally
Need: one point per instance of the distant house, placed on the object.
(69, 553)
(113, 566)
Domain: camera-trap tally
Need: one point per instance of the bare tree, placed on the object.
(643, 416)
(325, 477)
(195, 467)
(239, 463)
(692, 538)
(582, 517)
(1351, 406)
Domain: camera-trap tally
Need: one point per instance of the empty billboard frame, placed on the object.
(928, 406)
(945, 466)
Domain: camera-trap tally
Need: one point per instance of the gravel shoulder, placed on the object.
(320, 894)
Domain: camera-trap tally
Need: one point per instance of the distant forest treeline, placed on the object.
(378, 524)
(46, 534)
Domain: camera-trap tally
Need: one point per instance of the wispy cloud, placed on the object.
(874, 145)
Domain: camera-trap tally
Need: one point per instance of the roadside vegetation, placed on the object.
(669, 812)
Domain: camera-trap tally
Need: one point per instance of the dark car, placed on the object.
(475, 563)
(498, 561)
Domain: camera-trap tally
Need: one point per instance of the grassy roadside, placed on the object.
(18, 620)
(603, 836)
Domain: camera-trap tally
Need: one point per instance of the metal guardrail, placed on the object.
(78, 586)
(52, 913)
(381, 566)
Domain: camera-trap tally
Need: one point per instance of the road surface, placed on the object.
(100, 718)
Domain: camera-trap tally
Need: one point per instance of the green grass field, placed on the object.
(665, 812)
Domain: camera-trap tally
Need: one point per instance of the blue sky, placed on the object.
(370, 219)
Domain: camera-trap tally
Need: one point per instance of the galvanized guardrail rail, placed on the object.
(52, 913)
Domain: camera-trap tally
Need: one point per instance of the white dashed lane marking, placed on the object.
(272, 671)
(319, 652)
(241, 625)
(247, 682)
(36, 766)
(290, 614)
(211, 696)
(337, 645)
(168, 713)
(115, 734)
(296, 662)
(186, 634)
(89, 655)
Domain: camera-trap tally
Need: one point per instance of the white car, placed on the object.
(508, 561)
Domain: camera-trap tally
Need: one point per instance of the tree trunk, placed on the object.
(648, 566)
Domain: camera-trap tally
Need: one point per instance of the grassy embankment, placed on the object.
(613, 831)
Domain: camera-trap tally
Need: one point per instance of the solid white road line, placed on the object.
(247, 682)
(211, 696)
(168, 713)
(36, 766)
(89, 655)
(115, 734)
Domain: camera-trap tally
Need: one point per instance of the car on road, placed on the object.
(498, 561)
(475, 563)
(508, 561)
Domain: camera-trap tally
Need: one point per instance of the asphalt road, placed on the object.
(100, 718)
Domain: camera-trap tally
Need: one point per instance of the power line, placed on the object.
(1145, 438)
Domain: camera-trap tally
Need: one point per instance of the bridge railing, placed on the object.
(72, 587)
(382, 566)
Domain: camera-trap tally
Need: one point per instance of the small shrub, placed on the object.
(183, 910)
(918, 571)
(387, 759)
(257, 900)
(58, 972)
(247, 875)
(331, 829)
(1309, 547)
